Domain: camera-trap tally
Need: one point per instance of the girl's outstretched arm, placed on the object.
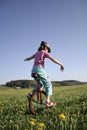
(57, 62)
(29, 58)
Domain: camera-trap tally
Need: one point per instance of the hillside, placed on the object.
(67, 83)
(31, 83)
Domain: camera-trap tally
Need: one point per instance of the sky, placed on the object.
(61, 23)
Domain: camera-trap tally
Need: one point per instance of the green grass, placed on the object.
(69, 114)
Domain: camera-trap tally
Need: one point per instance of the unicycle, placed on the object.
(37, 101)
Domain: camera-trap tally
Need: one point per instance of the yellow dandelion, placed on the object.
(32, 119)
(39, 128)
(32, 123)
(62, 116)
(41, 125)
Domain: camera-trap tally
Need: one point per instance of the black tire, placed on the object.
(35, 105)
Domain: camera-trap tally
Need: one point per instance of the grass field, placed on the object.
(69, 114)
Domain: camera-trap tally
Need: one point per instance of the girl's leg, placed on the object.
(45, 81)
(48, 98)
(44, 78)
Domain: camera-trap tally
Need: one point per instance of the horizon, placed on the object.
(51, 81)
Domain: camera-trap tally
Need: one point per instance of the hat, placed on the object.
(47, 45)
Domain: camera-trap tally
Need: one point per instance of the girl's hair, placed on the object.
(43, 44)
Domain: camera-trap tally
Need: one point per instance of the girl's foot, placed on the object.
(29, 95)
(50, 104)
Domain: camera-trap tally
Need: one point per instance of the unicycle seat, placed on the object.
(35, 75)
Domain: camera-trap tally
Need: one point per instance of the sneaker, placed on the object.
(50, 104)
(29, 95)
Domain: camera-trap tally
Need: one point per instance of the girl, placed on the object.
(38, 67)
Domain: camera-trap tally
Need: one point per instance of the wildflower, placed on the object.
(32, 119)
(39, 128)
(62, 116)
(32, 123)
(1, 111)
(41, 125)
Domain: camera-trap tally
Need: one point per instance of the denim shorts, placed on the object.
(43, 78)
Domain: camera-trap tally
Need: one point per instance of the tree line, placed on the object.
(32, 83)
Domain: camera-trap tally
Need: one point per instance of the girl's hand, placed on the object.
(62, 68)
(25, 59)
